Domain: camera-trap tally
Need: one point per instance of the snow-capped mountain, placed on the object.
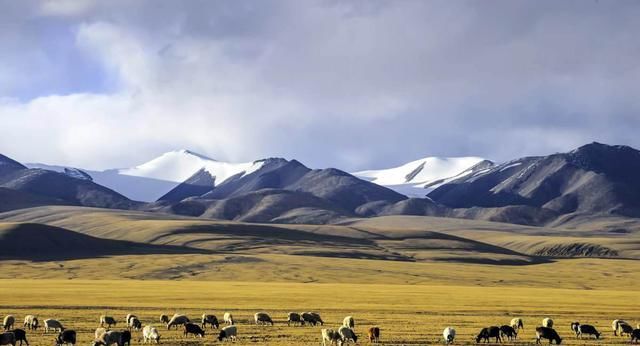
(180, 165)
(151, 180)
(417, 178)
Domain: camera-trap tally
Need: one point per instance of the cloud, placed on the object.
(332, 83)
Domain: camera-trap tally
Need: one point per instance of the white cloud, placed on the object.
(346, 84)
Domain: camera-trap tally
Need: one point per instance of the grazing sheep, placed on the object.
(228, 318)
(317, 317)
(547, 322)
(624, 328)
(331, 336)
(614, 326)
(228, 332)
(30, 322)
(134, 323)
(349, 322)
(191, 328)
(374, 335)
(99, 332)
(177, 320)
(489, 332)
(108, 320)
(211, 320)
(635, 335)
(311, 318)
(347, 334)
(449, 334)
(575, 327)
(164, 319)
(66, 337)
(53, 325)
(516, 323)
(150, 333)
(549, 334)
(8, 322)
(587, 329)
(108, 338)
(262, 318)
(8, 338)
(125, 338)
(129, 317)
(21, 336)
(509, 332)
(294, 318)
(114, 337)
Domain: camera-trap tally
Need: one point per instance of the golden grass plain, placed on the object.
(465, 296)
(459, 273)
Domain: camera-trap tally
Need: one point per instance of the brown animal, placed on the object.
(374, 335)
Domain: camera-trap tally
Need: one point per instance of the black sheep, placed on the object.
(549, 334)
(489, 332)
(190, 328)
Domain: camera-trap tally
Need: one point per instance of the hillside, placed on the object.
(38, 242)
(396, 238)
(31, 187)
(593, 179)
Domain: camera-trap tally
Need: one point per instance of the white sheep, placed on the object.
(516, 323)
(228, 318)
(99, 331)
(108, 338)
(134, 323)
(177, 320)
(547, 322)
(31, 322)
(347, 334)
(8, 322)
(228, 332)
(150, 333)
(349, 322)
(449, 334)
(615, 326)
(331, 336)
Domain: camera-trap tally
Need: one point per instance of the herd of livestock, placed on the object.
(343, 335)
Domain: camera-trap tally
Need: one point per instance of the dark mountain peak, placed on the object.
(596, 150)
(197, 185)
(594, 178)
(331, 172)
(277, 162)
(8, 165)
(618, 161)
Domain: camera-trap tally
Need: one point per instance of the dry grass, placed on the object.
(407, 314)
(251, 268)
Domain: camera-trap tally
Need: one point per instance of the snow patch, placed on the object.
(419, 177)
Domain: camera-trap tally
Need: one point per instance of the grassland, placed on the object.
(407, 314)
(412, 276)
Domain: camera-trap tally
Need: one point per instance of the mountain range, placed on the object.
(595, 179)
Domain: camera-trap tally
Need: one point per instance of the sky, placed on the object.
(348, 84)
